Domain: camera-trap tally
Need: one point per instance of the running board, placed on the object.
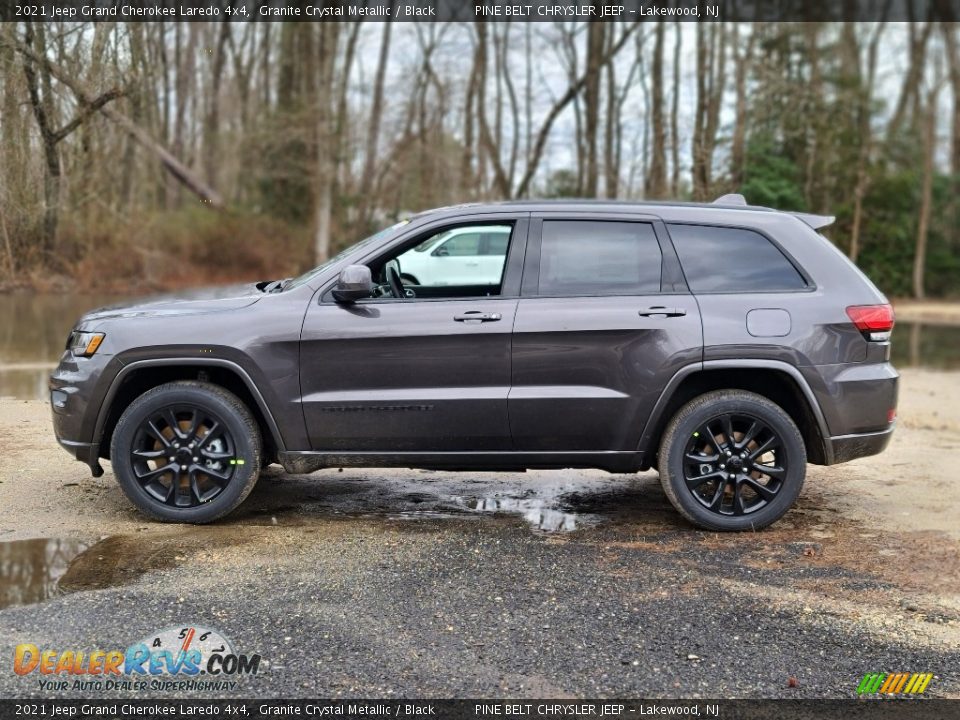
(300, 463)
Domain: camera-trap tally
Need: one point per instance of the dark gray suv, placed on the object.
(726, 345)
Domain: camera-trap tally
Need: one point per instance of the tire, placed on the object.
(409, 279)
(156, 431)
(744, 485)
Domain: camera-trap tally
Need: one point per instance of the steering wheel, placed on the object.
(396, 285)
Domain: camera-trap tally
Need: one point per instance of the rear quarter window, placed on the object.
(724, 259)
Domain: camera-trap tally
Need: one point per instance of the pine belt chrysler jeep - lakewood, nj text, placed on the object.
(723, 344)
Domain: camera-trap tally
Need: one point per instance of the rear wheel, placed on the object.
(186, 452)
(732, 460)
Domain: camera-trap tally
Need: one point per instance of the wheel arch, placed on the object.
(778, 381)
(136, 378)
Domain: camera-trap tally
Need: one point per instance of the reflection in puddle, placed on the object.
(30, 569)
(539, 513)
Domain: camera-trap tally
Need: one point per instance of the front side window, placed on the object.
(586, 257)
(460, 245)
(723, 259)
(464, 261)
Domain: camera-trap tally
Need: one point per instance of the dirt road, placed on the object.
(376, 583)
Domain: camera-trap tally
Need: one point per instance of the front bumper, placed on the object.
(77, 388)
(88, 453)
(844, 448)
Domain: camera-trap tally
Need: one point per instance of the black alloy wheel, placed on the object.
(734, 464)
(732, 460)
(183, 455)
(186, 451)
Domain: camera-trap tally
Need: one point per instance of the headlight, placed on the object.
(84, 344)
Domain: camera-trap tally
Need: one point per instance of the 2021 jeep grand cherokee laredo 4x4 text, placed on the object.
(724, 344)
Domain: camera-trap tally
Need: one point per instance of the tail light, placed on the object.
(874, 321)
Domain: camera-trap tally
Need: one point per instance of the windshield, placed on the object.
(303, 279)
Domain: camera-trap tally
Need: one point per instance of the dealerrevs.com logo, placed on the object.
(176, 658)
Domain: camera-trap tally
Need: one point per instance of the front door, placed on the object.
(428, 371)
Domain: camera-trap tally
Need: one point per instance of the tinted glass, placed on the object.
(718, 259)
(457, 262)
(460, 245)
(496, 243)
(598, 258)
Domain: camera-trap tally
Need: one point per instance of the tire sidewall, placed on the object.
(686, 423)
(246, 446)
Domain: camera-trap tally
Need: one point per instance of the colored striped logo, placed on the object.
(894, 683)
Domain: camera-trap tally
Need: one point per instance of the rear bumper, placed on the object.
(843, 448)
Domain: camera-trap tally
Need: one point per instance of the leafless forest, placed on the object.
(160, 154)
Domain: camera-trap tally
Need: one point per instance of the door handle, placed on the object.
(476, 315)
(661, 311)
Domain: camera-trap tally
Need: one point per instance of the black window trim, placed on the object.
(672, 280)
(513, 266)
(811, 286)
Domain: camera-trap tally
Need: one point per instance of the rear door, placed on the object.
(604, 321)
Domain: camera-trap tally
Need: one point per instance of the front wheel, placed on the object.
(732, 460)
(186, 452)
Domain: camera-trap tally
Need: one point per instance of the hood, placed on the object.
(188, 302)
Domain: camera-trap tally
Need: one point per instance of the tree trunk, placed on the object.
(656, 182)
(738, 151)
(864, 110)
(212, 131)
(909, 95)
(926, 193)
(674, 114)
(41, 102)
(325, 139)
(373, 127)
(594, 60)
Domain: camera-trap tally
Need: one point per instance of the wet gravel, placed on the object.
(417, 584)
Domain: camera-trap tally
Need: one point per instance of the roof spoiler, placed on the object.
(817, 222)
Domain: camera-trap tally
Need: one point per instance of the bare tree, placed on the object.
(929, 113)
(864, 101)
(656, 182)
(711, 79)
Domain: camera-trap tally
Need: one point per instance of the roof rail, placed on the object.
(731, 199)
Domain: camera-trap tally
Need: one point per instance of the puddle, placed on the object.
(542, 514)
(31, 570)
(34, 570)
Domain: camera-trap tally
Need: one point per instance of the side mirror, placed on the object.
(355, 283)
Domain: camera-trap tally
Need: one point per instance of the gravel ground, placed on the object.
(543, 584)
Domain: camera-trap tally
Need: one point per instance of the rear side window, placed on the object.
(721, 259)
(583, 257)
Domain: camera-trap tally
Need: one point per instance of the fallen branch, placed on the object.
(173, 165)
